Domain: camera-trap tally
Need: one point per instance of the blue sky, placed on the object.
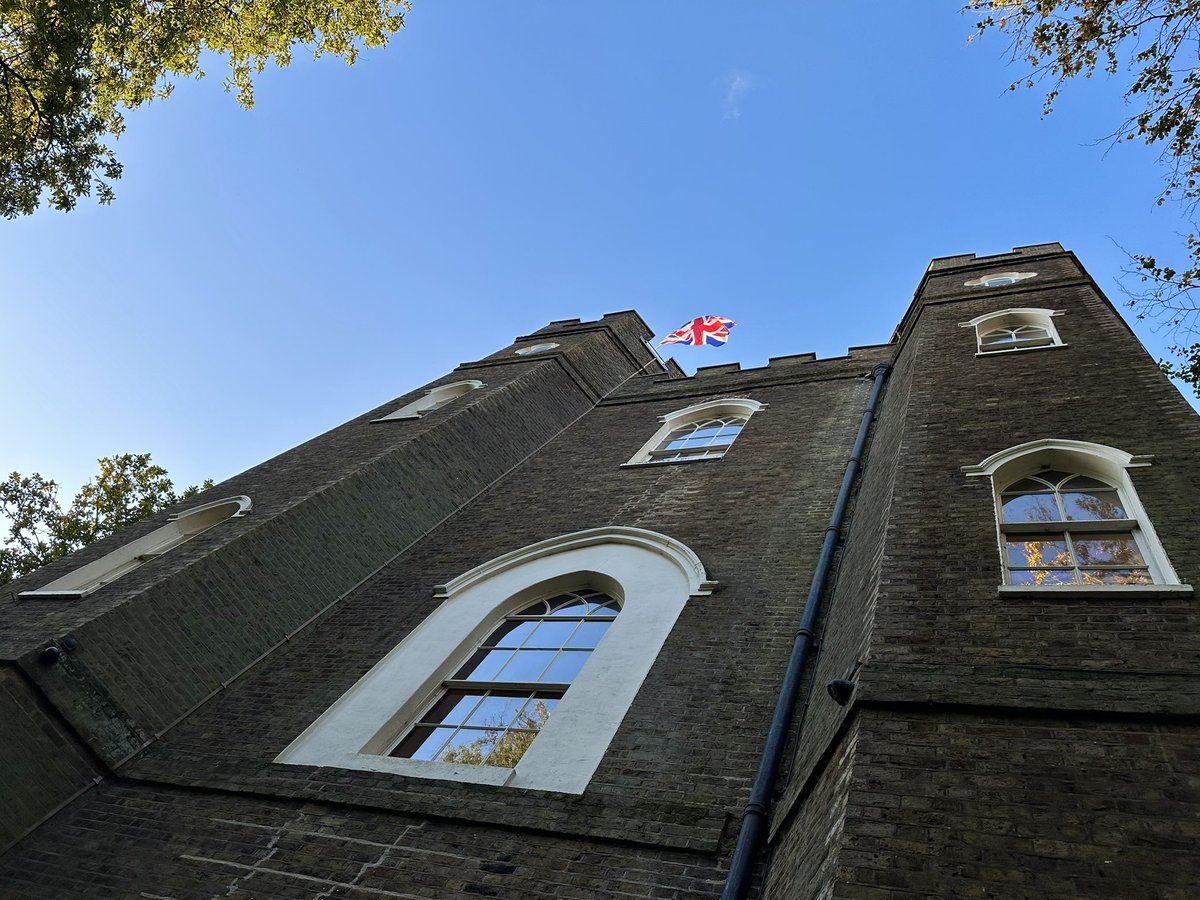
(266, 275)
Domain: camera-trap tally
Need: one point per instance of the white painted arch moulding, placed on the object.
(982, 280)
(652, 575)
(676, 551)
(1023, 311)
(742, 406)
(244, 505)
(1101, 457)
(432, 399)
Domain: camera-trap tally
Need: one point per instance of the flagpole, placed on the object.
(662, 362)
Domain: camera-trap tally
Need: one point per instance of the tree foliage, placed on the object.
(502, 746)
(127, 488)
(69, 67)
(1152, 45)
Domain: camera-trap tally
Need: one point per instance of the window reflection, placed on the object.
(1089, 539)
(496, 703)
(699, 440)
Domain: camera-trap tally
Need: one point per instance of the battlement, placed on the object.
(1029, 251)
(618, 319)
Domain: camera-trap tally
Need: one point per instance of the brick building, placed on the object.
(323, 677)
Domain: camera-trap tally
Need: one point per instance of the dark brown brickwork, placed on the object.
(988, 806)
(40, 766)
(996, 746)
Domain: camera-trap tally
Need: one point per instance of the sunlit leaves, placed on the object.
(128, 487)
(1154, 42)
(69, 68)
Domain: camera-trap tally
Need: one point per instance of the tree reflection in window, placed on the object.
(495, 704)
(699, 440)
(1066, 528)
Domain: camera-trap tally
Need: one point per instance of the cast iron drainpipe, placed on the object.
(754, 819)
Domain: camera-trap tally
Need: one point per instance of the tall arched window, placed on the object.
(552, 641)
(701, 431)
(1067, 514)
(490, 710)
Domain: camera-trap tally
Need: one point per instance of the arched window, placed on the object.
(181, 527)
(1015, 329)
(490, 710)
(702, 431)
(1067, 514)
(552, 642)
(536, 348)
(435, 398)
(999, 279)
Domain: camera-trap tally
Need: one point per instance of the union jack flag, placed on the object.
(701, 330)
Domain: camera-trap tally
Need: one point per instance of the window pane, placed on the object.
(1029, 332)
(484, 664)
(588, 634)
(537, 711)
(1042, 576)
(422, 743)
(1084, 483)
(1053, 476)
(453, 707)
(1029, 508)
(470, 746)
(1116, 576)
(575, 606)
(1081, 505)
(497, 711)
(552, 635)
(535, 609)
(567, 666)
(1037, 552)
(604, 606)
(1108, 549)
(511, 634)
(1027, 486)
(505, 749)
(526, 665)
(998, 336)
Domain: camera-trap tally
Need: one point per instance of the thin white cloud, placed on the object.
(736, 85)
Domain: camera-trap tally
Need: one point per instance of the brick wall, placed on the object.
(40, 765)
(985, 806)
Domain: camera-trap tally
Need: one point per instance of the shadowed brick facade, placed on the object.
(1037, 745)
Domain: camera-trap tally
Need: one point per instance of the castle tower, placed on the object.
(521, 632)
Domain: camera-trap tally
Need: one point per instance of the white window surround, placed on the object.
(1012, 318)
(709, 409)
(999, 279)
(651, 574)
(179, 528)
(431, 400)
(1098, 461)
(536, 348)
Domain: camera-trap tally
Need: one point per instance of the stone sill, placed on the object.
(1020, 350)
(1096, 592)
(671, 462)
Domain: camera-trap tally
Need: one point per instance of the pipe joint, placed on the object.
(754, 808)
